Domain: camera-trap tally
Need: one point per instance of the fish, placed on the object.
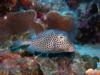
(49, 42)
(53, 40)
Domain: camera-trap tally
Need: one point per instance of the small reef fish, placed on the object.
(49, 41)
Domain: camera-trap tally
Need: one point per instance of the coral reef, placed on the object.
(14, 64)
(56, 21)
(37, 37)
(18, 23)
(89, 30)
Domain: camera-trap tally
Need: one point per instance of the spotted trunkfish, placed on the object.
(49, 41)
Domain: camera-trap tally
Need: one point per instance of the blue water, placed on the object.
(92, 50)
(98, 64)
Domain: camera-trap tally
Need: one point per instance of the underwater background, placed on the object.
(50, 37)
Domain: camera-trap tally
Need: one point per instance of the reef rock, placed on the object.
(16, 23)
(56, 21)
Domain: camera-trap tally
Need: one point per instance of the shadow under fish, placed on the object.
(50, 43)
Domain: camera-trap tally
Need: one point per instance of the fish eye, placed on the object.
(61, 36)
